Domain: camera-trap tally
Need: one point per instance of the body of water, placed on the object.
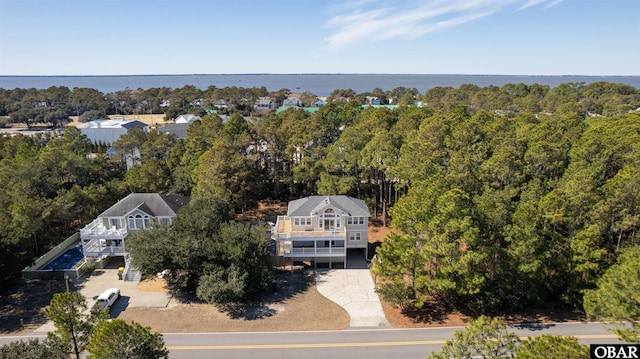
(318, 84)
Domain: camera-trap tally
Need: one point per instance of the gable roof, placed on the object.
(110, 124)
(313, 205)
(155, 204)
(187, 118)
(179, 129)
(131, 124)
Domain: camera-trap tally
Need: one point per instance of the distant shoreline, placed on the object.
(315, 83)
(318, 74)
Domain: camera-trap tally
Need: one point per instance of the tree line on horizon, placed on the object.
(56, 104)
(497, 203)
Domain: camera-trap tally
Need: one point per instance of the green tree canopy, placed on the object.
(482, 338)
(617, 296)
(552, 347)
(73, 325)
(35, 349)
(117, 339)
(238, 264)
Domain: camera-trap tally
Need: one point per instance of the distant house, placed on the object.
(178, 129)
(321, 229)
(341, 99)
(188, 118)
(372, 100)
(109, 131)
(321, 101)
(221, 104)
(264, 104)
(106, 235)
(292, 102)
(130, 158)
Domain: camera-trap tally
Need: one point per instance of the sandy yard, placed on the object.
(303, 310)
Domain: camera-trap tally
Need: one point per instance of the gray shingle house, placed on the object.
(106, 235)
(321, 229)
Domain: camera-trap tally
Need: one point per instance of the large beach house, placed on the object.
(109, 131)
(105, 236)
(321, 229)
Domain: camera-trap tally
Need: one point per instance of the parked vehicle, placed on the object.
(107, 298)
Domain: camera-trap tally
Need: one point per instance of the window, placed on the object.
(356, 236)
(138, 222)
(114, 223)
(302, 221)
(329, 220)
(355, 220)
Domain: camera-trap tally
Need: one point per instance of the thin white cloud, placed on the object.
(530, 3)
(371, 21)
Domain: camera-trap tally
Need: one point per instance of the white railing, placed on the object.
(96, 248)
(283, 231)
(97, 229)
(337, 234)
(287, 251)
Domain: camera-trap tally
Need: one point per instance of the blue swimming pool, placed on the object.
(66, 260)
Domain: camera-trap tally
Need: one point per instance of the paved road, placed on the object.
(370, 343)
(373, 343)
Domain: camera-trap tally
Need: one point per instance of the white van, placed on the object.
(107, 298)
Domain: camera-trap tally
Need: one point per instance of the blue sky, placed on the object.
(513, 37)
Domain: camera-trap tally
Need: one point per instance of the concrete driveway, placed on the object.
(353, 289)
(100, 280)
(103, 279)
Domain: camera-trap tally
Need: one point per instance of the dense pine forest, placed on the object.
(500, 198)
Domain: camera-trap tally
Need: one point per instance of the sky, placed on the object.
(134, 37)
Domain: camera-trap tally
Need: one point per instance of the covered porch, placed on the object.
(100, 241)
(101, 248)
(326, 249)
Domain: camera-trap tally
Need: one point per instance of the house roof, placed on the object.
(155, 204)
(132, 124)
(180, 129)
(314, 204)
(264, 101)
(112, 124)
(187, 118)
(305, 109)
